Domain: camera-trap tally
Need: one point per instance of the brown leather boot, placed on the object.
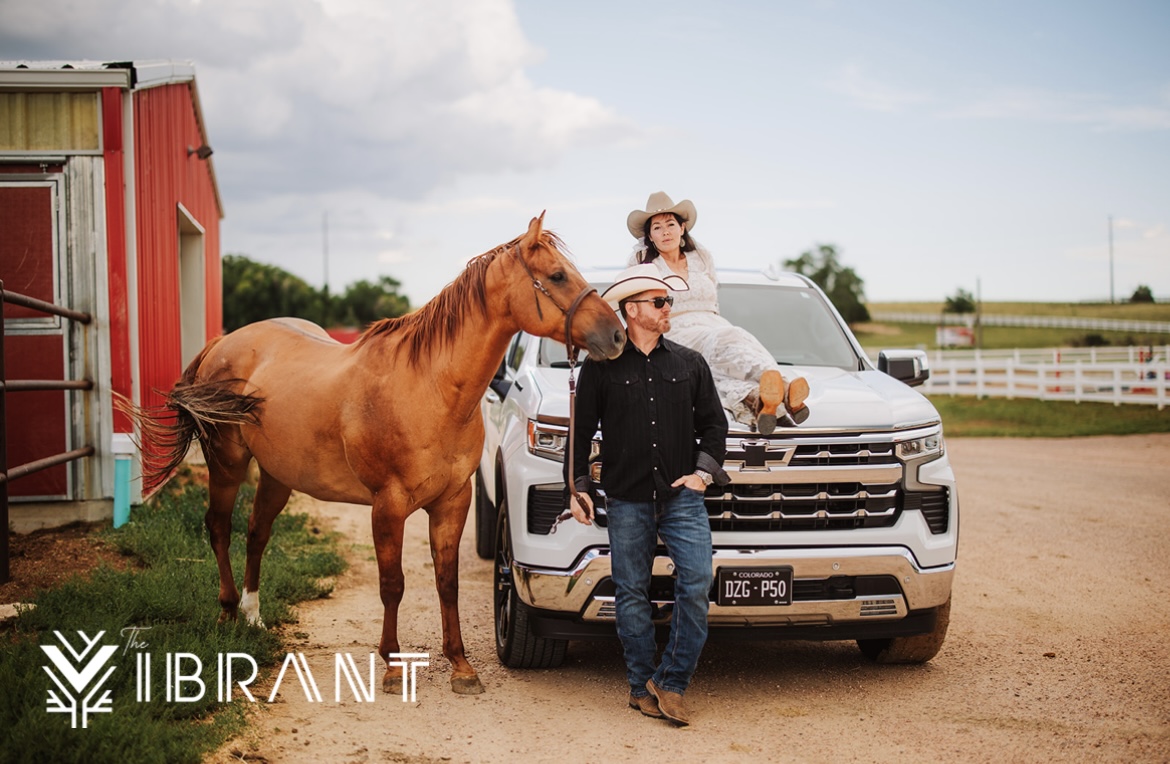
(771, 396)
(671, 704)
(794, 399)
(647, 704)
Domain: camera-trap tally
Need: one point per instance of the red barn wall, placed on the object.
(165, 125)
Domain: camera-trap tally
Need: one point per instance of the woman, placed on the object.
(749, 381)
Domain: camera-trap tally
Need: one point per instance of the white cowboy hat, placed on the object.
(657, 204)
(641, 278)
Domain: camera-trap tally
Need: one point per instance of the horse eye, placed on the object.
(558, 277)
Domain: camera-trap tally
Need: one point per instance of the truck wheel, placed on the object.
(917, 649)
(485, 521)
(516, 645)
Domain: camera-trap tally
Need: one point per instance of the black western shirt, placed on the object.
(660, 419)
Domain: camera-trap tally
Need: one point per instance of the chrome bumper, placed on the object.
(571, 591)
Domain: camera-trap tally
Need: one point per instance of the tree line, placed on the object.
(255, 291)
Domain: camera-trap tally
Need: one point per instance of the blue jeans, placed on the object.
(683, 526)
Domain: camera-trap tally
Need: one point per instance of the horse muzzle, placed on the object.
(603, 346)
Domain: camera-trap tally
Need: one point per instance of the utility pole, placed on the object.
(325, 245)
(1111, 300)
(325, 309)
(978, 313)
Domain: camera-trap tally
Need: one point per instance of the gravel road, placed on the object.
(1057, 650)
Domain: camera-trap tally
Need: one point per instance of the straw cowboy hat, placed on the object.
(641, 278)
(657, 204)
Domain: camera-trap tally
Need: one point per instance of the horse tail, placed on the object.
(193, 409)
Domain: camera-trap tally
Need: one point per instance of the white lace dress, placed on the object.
(736, 357)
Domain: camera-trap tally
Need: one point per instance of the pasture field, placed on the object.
(1127, 311)
(966, 415)
(877, 335)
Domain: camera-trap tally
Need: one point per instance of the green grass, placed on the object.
(1122, 310)
(878, 335)
(875, 337)
(1026, 418)
(174, 593)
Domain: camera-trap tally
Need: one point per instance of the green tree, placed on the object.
(255, 291)
(1142, 294)
(841, 283)
(961, 301)
(365, 302)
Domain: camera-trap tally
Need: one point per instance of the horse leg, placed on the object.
(447, 518)
(271, 496)
(225, 473)
(389, 528)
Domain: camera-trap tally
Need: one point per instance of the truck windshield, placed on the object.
(796, 325)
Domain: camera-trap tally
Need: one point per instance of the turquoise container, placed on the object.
(121, 490)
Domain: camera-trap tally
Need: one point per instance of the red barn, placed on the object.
(108, 207)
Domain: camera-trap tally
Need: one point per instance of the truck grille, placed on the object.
(843, 454)
(780, 506)
(801, 506)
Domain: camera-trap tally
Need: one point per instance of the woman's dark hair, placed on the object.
(652, 252)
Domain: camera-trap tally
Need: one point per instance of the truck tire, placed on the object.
(917, 649)
(516, 645)
(485, 521)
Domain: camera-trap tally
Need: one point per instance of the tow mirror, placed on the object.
(909, 366)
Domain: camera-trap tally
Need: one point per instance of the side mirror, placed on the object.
(500, 382)
(909, 366)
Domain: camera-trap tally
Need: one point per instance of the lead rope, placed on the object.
(571, 352)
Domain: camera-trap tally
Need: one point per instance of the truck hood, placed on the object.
(838, 400)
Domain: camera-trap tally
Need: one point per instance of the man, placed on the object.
(653, 402)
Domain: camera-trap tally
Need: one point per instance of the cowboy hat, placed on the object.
(641, 278)
(657, 204)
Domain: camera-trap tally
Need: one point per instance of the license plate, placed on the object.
(741, 587)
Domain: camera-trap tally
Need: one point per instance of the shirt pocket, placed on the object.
(676, 386)
(627, 398)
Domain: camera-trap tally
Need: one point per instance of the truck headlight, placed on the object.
(547, 440)
(917, 448)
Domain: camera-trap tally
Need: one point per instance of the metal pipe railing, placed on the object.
(7, 474)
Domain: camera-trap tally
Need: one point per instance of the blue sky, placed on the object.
(938, 145)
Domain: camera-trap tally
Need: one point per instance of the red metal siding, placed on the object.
(166, 176)
(115, 170)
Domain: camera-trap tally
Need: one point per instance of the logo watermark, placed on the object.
(78, 685)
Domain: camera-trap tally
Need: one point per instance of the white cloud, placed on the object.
(395, 96)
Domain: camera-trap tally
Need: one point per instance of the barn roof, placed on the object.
(128, 75)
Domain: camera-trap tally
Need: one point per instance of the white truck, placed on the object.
(843, 528)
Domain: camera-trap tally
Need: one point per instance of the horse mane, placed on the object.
(438, 322)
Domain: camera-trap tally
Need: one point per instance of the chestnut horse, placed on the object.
(391, 421)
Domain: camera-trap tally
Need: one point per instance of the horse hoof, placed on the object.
(466, 685)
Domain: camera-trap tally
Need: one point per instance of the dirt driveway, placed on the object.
(1059, 648)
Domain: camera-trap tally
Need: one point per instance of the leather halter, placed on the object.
(570, 351)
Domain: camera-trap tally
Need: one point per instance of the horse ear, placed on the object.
(536, 227)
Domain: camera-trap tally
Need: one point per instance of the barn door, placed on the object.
(34, 343)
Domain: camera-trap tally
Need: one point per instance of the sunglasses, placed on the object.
(659, 302)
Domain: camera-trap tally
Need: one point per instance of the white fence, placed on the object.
(1050, 322)
(1094, 355)
(1022, 374)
